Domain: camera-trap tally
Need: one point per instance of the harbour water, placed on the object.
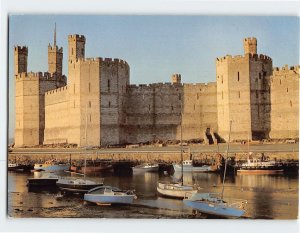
(268, 196)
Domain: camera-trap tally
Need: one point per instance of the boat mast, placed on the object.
(181, 152)
(85, 139)
(226, 160)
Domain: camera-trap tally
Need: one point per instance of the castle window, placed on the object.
(108, 85)
(109, 104)
(239, 94)
(238, 76)
(194, 107)
(149, 107)
(172, 108)
(287, 90)
(90, 104)
(179, 96)
(259, 74)
(256, 92)
(197, 96)
(89, 87)
(222, 78)
(291, 104)
(280, 81)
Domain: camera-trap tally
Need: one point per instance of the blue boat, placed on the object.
(210, 203)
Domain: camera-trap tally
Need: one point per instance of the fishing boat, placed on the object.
(255, 166)
(109, 195)
(189, 167)
(46, 179)
(145, 167)
(214, 204)
(51, 166)
(211, 203)
(77, 185)
(175, 189)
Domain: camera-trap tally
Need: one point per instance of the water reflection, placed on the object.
(268, 196)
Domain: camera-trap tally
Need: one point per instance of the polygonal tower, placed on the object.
(250, 45)
(55, 58)
(243, 94)
(20, 55)
(76, 47)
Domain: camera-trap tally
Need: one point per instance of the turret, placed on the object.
(250, 45)
(76, 47)
(21, 54)
(55, 58)
(176, 78)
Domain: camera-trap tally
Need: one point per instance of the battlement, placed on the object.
(35, 76)
(286, 69)
(57, 90)
(176, 78)
(55, 48)
(114, 61)
(253, 57)
(250, 39)
(76, 37)
(21, 49)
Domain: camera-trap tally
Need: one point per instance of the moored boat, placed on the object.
(77, 185)
(51, 166)
(91, 167)
(187, 166)
(210, 203)
(146, 167)
(255, 166)
(44, 180)
(109, 195)
(175, 190)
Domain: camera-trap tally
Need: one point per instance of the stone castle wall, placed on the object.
(99, 107)
(285, 103)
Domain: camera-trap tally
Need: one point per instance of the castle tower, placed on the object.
(250, 45)
(243, 94)
(176, 78)
(76, 47)
(21, 54)
(55, 57)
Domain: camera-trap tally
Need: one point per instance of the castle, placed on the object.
(97, 106)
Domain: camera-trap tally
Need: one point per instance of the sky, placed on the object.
(154, 46)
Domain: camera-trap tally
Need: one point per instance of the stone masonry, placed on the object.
(97, 105)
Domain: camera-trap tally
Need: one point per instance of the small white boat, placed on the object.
(146, 167)
(51, 166)
(210, 203)
(77, 185)
(109, 195)
(175, 190)
(187, 166)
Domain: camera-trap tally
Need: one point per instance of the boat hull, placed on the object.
(259, 171)
(76, 188)
(175, 193)
(34, 182)
(177, 168)
(214, 209)
(51, 168)
(106, 199)
(140, 169)
(91, 169)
